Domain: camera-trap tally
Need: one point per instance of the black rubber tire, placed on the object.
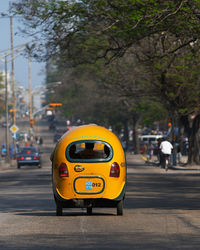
(89, 210)
(120, 208)
(39, 166)
(18, 165)
(59, 210)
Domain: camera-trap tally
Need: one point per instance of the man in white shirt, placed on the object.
(166, 150)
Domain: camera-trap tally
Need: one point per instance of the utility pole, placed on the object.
(6, 104)
(13, 80)
(30, 94)
(12, 74)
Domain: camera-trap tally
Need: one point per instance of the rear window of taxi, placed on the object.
(89, 151)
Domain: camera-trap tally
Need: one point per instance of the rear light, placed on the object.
(115, 170)
(63, 170)
(36, 157)
(21, 158)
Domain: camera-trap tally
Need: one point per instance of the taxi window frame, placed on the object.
(89, 160)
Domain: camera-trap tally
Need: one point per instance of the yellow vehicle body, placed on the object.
(88, 180)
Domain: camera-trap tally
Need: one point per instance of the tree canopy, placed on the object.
(143, 52)
(108, 27)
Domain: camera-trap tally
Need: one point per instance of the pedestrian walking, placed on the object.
(179, 155)
(150, 150)
(158, 151)
(41, 141)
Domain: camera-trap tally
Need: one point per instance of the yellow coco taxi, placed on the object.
(88, 170)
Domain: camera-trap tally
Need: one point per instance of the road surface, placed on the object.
(161, 210)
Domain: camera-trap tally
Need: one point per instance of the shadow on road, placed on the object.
(69, 213)
(163, 191)
(29, 191)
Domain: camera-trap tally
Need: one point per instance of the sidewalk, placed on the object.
(137, 159)
(7, 166)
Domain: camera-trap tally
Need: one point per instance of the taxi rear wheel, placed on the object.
(120, 208)
(59, 209)
(89, 210)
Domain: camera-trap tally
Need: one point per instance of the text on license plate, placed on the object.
(90, 185)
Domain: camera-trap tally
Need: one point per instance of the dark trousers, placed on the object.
(163, 158)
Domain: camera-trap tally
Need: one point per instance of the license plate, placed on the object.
(89, 185)
(28, 158)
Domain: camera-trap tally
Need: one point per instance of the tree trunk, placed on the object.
(126, 133)
(136, 144)
(180, 136)
(193, 139)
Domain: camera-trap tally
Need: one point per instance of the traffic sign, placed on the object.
(14, 128)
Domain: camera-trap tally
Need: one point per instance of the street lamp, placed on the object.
(30, 96)
(29, 49)
(43, 91)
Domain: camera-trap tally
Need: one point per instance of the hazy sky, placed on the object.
(21, 63)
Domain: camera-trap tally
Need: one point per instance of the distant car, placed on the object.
(28, 156)
(4, 124)
(22, 135)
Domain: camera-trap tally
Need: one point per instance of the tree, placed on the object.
(127, 81)
(108, 27)
(175, 83)
(167, 31)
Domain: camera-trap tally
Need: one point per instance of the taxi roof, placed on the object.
(90, 132)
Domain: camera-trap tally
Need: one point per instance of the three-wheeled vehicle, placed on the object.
(88, 170)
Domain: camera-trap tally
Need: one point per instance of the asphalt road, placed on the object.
(161, 210)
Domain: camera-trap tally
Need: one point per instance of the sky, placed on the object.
(20, 63)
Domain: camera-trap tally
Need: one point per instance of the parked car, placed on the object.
(150, 138)
(28, 156)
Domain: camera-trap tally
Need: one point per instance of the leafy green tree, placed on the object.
(163, 35)
(107, 28)
(175, 83)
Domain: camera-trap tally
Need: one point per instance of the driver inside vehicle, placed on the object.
(88, 152)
